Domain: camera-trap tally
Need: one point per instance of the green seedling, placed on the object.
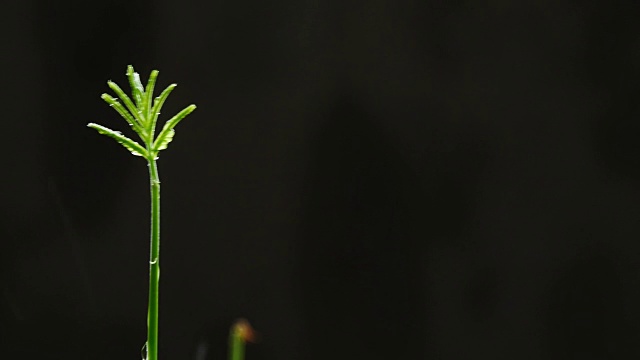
(142, 115)
(241, 333)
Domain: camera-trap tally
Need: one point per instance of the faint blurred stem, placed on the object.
(236, 348)
(240, 333)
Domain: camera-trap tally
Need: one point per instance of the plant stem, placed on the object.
(240, 333)
(154, 263)
(236, 345)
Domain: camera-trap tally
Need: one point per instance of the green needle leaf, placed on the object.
(149, 93)
(125, 114)
(167, 133)
(166, 139)
(135, 148)
(127, 101)
(136, 86)
(138, 83)
(157, 105)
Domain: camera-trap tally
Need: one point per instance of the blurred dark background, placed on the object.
(361, 180)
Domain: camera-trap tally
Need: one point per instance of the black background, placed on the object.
(361, 180)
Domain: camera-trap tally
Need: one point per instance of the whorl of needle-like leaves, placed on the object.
(142, 115)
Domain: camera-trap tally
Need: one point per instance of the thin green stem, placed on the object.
(154, 263)
(240, 333)
(237, 348)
